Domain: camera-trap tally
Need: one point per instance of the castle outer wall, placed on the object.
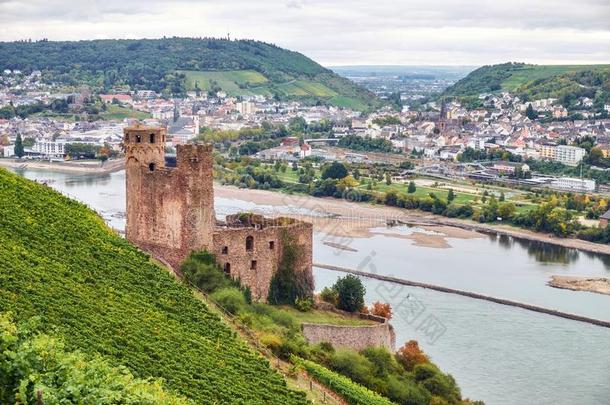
(254, 263)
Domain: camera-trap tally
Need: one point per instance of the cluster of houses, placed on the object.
(446, 132)
(443, 131)
(47, 138)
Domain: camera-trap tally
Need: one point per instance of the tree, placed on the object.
(407, 165)
(297, 124)
(335, 170)
(381, 309)
(391, 198)
(530, 113)
(411, 189)
(595, 156)
(350, 293)
(19, 151)
(450, 195)
(507, 210)
(410, 355)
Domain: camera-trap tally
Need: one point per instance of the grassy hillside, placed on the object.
(565, 82)
(102, 296)
(173, 65)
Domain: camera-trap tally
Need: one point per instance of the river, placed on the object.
(498, 354)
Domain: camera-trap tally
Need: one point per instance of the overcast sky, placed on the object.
(342, 32)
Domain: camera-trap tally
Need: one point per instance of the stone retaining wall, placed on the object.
(354, 337)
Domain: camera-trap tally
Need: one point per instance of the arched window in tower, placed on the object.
(227, 268)
(151, 167)
(249, 244)
(151, 138)
(138, 138)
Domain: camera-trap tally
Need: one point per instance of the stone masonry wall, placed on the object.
(170, 211)
(256, 266)
(354, 337)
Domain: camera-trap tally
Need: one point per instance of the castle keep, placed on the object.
(170, 213)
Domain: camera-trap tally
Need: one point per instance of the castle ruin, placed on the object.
(170, 213)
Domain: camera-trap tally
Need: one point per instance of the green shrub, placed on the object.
(350, 293)
(231, 299)
(352, 364)
(304, 304)
(273, 342)
(322, 352)
(201, 270)
(283, 318)
(352, 392)
(287, 284)
(329, 295)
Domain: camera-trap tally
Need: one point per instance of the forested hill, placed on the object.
(564, 82)
(173, 65)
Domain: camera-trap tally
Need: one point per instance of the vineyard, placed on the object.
(353, 393)
(101, 296)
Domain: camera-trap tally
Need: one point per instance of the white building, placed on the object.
(246, 108)
(573, 184)
(569, 155)
(7, 151)
(50, 149)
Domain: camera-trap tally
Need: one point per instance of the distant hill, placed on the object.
(174, 65)
(564, 82)
(102, 296)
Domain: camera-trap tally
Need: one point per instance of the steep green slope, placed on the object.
(157, 64)
(36, 368)
(565, 82)
(59, 261)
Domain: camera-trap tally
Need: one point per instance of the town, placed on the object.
(494, 142)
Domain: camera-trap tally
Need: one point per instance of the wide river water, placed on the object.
(498, 354)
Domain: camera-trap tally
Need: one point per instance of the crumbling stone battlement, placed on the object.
(170, 213)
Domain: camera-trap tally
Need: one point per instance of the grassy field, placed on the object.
(306, 88)
(230, 81)
(347, 102)
(249, 82)
(421, 191)
(317, 316)
(534, 72)
(115, 112)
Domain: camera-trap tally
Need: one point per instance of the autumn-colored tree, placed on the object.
(410, 355)
(381, 309)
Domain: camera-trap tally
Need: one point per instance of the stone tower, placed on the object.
(170, 210)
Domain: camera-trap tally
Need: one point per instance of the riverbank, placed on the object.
(93, 167)
(596, 285)
(343, 218)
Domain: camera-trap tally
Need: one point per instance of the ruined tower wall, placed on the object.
(230, 248)
(170, 211)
